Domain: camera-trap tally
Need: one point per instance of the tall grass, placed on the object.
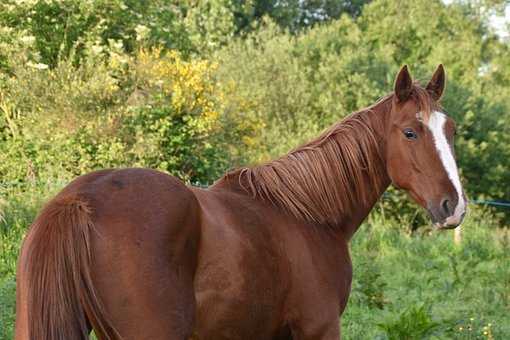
(406, 285)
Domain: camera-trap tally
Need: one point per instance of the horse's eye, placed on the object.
(410, 134)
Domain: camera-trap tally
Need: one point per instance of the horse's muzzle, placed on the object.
(444, 218)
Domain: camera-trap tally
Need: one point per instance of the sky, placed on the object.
(501, 23)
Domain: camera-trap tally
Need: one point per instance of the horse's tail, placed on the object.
(61, 302)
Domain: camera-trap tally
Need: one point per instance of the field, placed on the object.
(406, 286)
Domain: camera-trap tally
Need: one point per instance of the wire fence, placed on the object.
(501, 204)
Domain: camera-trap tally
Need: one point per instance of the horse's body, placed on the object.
(263, 275)
(262, 254)
(258, 272)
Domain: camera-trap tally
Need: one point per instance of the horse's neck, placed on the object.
(347, 221)
(351, 222)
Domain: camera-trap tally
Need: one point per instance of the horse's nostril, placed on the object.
(445, 206)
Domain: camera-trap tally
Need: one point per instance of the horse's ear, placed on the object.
(436, 84)
(403, 84)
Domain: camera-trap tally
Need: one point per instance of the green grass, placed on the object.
(406, 286)
(422, 286)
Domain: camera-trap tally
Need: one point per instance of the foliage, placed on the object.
(415, 322)
(183, 127)
(154, 110)
(61, 28)
(294, 15)
(369, 287)
(300, 85)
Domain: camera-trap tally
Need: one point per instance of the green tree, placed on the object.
(64, 27)
(293, 15)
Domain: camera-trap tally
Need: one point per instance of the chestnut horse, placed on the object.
(261, 254)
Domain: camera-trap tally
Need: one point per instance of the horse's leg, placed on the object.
(144, 260)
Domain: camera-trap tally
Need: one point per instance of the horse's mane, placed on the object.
(325, 179)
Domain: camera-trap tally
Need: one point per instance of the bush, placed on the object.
(415, 322)
(153, 110)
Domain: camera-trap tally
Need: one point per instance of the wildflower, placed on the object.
(39, 66)
(96, 49)
(28, 39)
(142, 32)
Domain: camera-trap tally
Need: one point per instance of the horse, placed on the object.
(261, 254)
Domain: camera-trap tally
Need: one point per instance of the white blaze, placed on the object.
(436, 124)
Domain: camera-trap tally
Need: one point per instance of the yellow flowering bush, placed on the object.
(188, 86)
(176, 118)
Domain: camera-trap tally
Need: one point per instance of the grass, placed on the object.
(406, 286)
(422, 286)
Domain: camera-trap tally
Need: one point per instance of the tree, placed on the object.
(293, 15)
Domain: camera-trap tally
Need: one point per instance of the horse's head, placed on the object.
(420, 149)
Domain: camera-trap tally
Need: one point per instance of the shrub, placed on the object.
(413, 323)
(154, 110)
